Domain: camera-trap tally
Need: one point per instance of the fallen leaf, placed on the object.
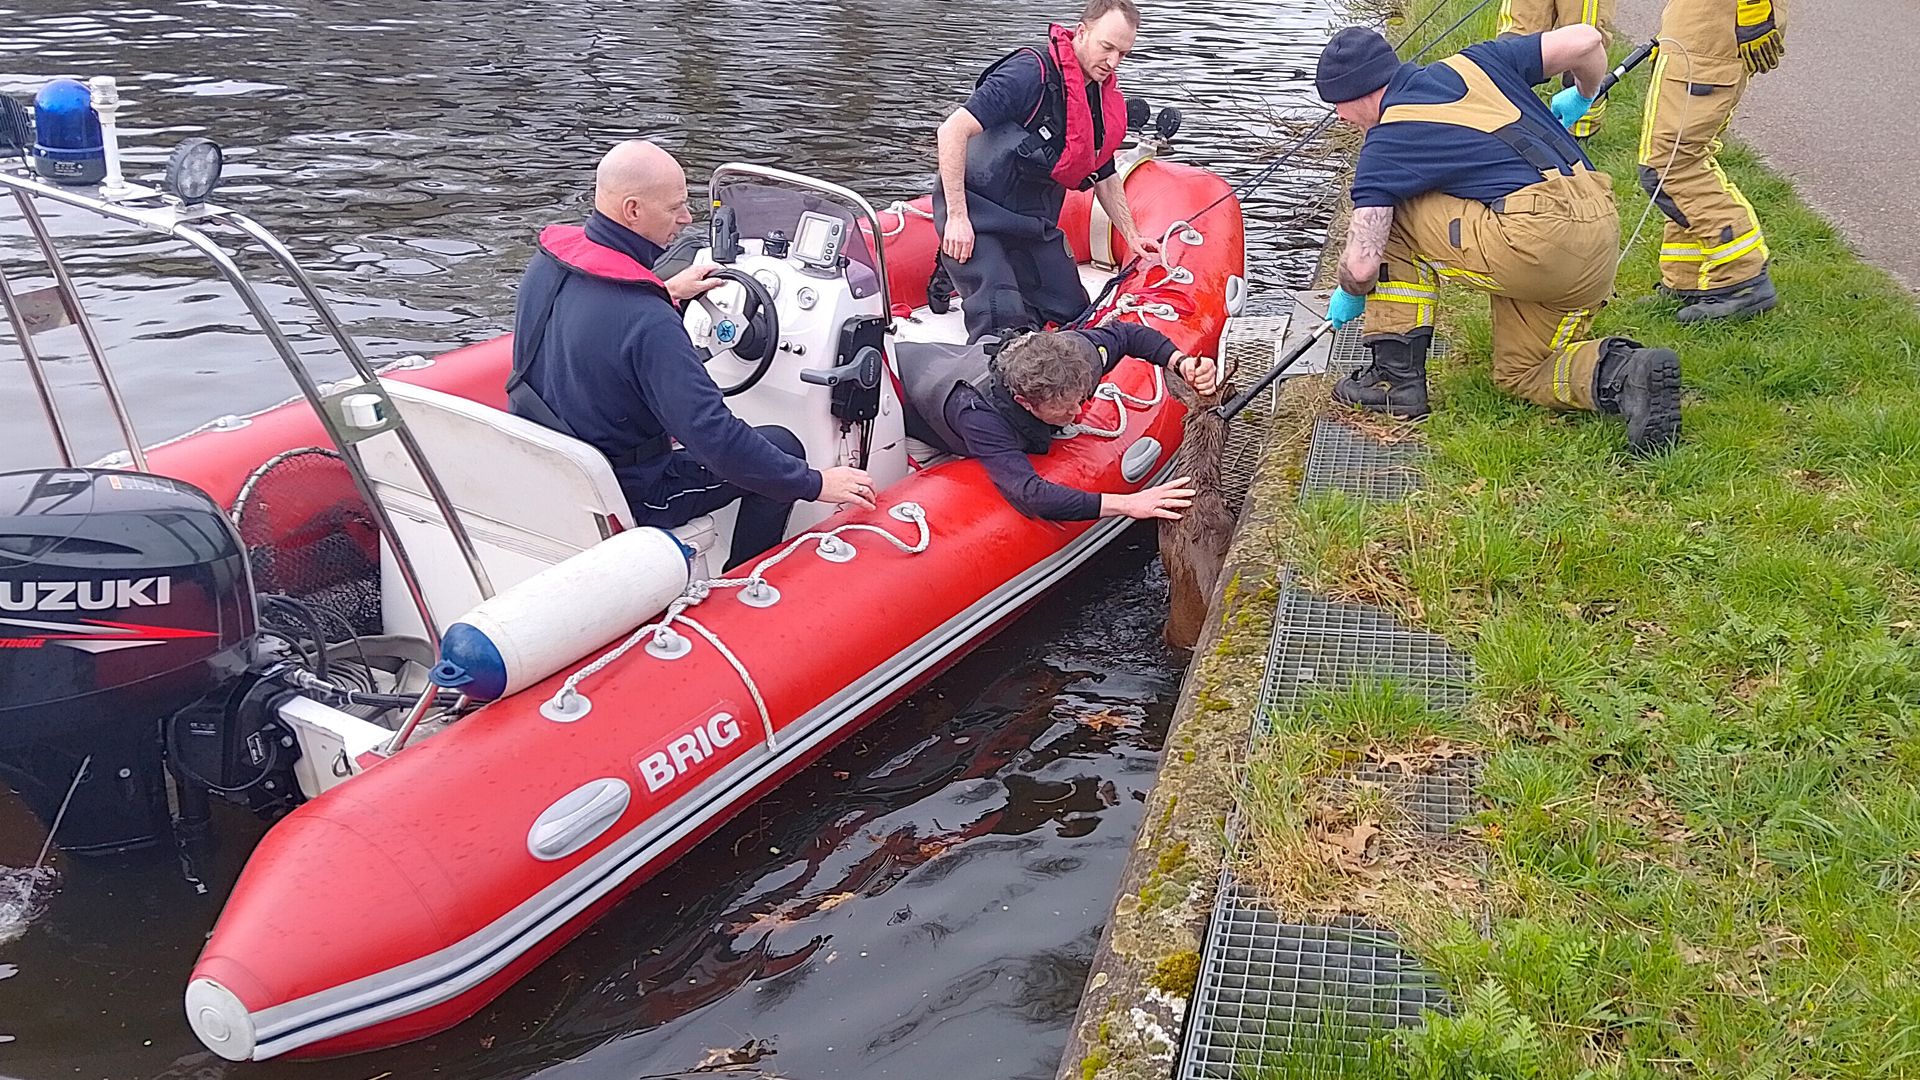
(1104, 719)
(830, 902)
(841, 774)
(487, 1043)
(1355, 840)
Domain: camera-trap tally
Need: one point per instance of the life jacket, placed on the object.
(570, 247)
(931, 372)
(1534, 135)
(1058, 137)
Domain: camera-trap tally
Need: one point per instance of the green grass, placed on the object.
(1699, 679)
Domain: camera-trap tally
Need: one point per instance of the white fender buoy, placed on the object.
(555, 617)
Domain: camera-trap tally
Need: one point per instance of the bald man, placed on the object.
(599, 353)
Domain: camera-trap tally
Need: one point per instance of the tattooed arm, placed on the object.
(1366, 247)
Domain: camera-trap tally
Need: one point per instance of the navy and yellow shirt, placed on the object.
(1404, 158)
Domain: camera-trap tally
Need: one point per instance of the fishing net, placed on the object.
(309, 535)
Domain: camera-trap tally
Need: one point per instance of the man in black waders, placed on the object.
(1466, 175)
(1040, 121)
(1000, 402)
(599, 353)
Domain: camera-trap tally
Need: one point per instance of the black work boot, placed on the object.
(1395, 383)
(1750, 297)
(1642, 386)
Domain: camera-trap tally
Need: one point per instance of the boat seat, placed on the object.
(529, 497)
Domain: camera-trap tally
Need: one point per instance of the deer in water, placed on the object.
(1194, 547)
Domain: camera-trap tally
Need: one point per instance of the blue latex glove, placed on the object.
(1569, 106)
(1344, 308)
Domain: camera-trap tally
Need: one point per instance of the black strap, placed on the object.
(520, 393)
(1529, 148)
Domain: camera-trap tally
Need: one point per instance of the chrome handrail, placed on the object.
(844, 194)
(149, 209)
(95, 351)
(31, 354)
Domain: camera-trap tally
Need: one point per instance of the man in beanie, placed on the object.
(1466, 175)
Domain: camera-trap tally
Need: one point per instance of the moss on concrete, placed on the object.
(1177, 973)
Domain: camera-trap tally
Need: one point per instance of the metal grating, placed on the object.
(1348, 353)
(1317, 993)
(1344, 458)
(1320, 647)
(1248, 347)
(1436, 802)
(1240, 457)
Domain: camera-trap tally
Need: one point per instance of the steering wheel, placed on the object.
(751, 335)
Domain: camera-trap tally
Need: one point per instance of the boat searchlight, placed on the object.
(193, 170)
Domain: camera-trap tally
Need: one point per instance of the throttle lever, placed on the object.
(863, 369)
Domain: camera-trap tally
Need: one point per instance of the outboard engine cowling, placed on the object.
(123, 598)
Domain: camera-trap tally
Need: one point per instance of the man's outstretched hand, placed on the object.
(1162, 501)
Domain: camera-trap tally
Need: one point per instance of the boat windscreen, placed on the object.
(760, 207)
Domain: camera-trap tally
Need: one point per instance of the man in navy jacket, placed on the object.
(599, 353)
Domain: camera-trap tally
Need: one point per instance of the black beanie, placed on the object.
(1355, 63)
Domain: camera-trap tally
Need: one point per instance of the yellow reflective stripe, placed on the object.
(1727, 253)
(1652, 107)
(1406, 289)
(1485, 281)
(1590, 12)
(1681, 254)
(1506, 23)
(1563, 358)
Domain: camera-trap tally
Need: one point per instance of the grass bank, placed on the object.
(1698, 694)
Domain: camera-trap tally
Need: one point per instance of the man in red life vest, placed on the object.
(1040, 121)
(599, 353)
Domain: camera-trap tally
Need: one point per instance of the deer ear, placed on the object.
(1181, 390)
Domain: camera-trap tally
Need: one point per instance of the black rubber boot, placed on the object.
(1394, 384)
(1740, 301)
(1643, 387)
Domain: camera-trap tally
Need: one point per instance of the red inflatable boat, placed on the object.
(440, 851)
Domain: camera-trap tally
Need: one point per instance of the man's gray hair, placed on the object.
(1049, 369)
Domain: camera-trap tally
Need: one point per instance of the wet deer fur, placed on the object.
(1194, 548)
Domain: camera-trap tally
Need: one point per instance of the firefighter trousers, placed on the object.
(1545, 255)
(1713, 240)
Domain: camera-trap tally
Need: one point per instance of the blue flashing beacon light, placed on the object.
(67, 145)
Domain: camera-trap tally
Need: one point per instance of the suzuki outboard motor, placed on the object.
(124, 597)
